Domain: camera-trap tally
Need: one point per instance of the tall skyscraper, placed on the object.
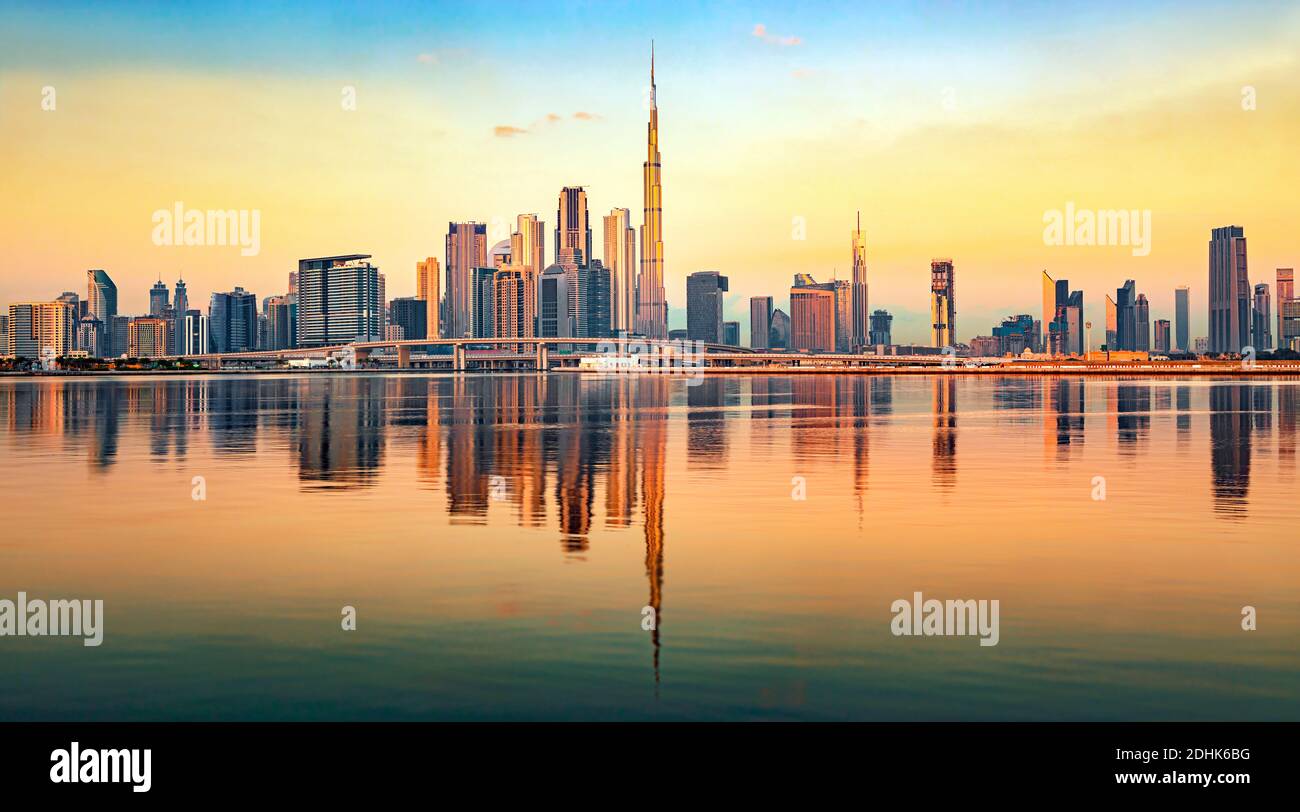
(760, 322)
(340, 300)
(1049, 312)
(482, 321)
(1142, 319)
(652, 304)
(858, 295)
(180, 305)
(428, 290)
(812, 318)
(620, 258)
(943, 308)
(158, 298)
(1262, 319)
(232, 321)
(572, 229)
(101, 302)
(1230, 304)
(704, 291)
(1182, 319)
(1285, 293)
(466, 250)
(528, 254)
(1126, 316)
(1112, 323)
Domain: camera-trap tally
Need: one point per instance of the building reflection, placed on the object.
(1230, 424)
(944, 444)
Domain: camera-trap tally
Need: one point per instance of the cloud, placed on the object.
(760, 31)
(427, 59)
(802, 73)
(510, 131)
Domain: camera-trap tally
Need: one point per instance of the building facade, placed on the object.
(704, 297)
(340, 300)
(943, 307)
(1229, 292)
(760, 322)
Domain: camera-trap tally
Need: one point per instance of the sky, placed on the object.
(956, 128)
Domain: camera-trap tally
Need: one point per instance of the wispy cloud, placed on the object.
(510, 131)
(760, 31)
(803, 73)
(427, 59)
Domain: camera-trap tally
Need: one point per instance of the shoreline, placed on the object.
(1261, 370)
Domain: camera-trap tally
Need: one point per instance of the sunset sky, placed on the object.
(953, 126)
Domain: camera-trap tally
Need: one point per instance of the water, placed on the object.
(522, 597)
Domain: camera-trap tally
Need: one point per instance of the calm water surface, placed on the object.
(499, 537)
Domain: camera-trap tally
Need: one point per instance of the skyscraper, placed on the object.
(594, 281)
(1126, 316)
(1162, 335)
(466, 250)
(37, 326)
(428, 290)
(101, 302)
(572, 229)
(881, 328)
(760, 322)
(509, 296)
(1262, 319)
(1142, 319)
(482, 298)
(1229, 291)
(1112, 324)
(731, 333)
(1182, 319)
(528, 254)
(858, 294)
(812, 318)
(1285, 293)
(158, 298)
(180, 305)
(553, 317)
(281, 326)
(779, 338)
(652, 305)
(1049, 313)
(704, 291)
(620, 258)
(943, 308)
(340, 300)
(232, 320)
(148, 337)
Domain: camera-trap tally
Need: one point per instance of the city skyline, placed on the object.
(906, 222)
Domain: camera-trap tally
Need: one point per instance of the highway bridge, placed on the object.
(513, 354)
